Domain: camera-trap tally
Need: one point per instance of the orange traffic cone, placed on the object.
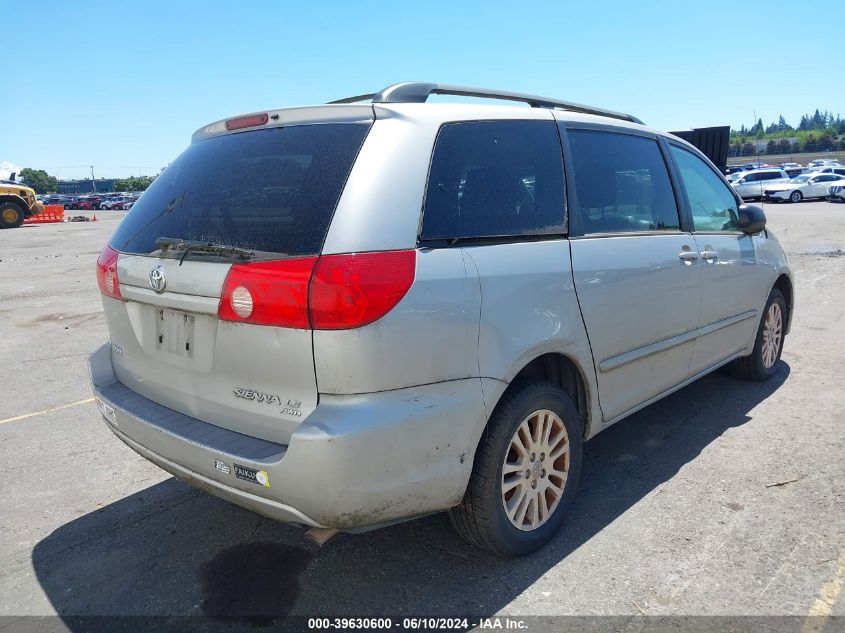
(94, 218)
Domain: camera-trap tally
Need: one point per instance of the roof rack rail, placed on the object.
(419, 92)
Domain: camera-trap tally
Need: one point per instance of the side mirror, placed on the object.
(751, 219)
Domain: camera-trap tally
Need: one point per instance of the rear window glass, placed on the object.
(622, 183)
(495, 178)
(271, 192)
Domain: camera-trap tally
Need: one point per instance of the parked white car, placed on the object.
(836, 192)
(831, 169)
(750, 184)
(824, 162)
(813, 185)
(116, 203)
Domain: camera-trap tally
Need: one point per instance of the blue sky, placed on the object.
(122, 85)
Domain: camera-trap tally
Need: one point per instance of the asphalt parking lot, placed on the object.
(725, 498)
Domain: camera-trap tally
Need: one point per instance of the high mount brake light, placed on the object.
(331, 292)
(107, 273)
(247, 121)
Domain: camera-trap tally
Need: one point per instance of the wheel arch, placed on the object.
(784, 284)
(562, 371)
(10, 197)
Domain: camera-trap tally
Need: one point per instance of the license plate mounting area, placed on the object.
(175, 332)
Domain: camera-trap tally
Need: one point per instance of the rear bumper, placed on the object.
(355, 462)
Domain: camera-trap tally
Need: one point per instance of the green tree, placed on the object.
(39, 180)
(825, 143)
(133, 183)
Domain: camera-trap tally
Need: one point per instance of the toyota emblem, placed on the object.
(157, 279)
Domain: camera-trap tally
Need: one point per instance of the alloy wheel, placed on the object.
(772, 335)
(535, 470)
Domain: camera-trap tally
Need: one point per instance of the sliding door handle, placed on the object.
(709, 256)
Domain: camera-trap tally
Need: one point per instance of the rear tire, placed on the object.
(796, 196)
(11, 215)
(541, 479)
(760, 365)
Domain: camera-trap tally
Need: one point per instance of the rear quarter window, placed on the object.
(495, 179)
(270, 191)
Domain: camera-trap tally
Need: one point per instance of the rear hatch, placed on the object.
(231, 205)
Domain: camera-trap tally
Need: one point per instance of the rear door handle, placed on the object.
(709, 256)
(688, 257)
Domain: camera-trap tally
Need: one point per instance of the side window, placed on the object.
(495, 178)
(622, 183)
(712, 204)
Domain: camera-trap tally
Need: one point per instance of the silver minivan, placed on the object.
(348, 315)
(750, 185)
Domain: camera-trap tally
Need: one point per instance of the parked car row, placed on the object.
(105, 201)
(792, 169)
(787, 181)
(816, 185)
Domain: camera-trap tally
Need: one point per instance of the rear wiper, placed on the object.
(165, 243)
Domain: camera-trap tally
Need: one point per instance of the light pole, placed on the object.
(93, 182)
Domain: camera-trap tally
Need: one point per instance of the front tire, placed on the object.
(796, 196)
(11, 215)
(526, 471)
(759, 366)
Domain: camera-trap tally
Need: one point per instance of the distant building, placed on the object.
(85, 186)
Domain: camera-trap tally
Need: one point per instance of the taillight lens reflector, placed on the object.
(348, 291)
(268, 293)
(107, 273)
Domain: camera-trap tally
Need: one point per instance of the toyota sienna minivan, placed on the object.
(352, 314)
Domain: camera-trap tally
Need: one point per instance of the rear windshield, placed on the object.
(271, 192)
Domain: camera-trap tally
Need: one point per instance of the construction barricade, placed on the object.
(51, 213)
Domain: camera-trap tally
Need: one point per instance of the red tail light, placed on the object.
(107, 273)
(268, 293)
(346, 291)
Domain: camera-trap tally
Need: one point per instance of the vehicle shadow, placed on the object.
(172, 550)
